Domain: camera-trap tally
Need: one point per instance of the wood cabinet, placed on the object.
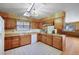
(71, 46)
(48, 20)
(25, 39)
(57, 42)
(49, 40)
(10, 24)
(77, 26)
(15, 41)
(58, 23)
(39, 37)
(8, 43)
(36, 25)
(44, 38)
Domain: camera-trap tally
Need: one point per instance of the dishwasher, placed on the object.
(33, 38)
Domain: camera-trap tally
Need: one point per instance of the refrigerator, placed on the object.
(51, 30)
(1, 36)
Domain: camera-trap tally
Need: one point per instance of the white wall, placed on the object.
(1, 36)
(72, 12)
(72, 16)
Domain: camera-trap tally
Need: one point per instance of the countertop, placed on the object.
(12, 33)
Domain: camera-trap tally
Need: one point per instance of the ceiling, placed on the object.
(43, 9)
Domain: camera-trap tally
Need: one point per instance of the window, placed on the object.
(22, 25)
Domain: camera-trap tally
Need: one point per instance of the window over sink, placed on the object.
(23, 26)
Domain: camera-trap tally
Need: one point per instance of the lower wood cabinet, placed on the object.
(52, 40)
(44, 38)
(25, 39)
(57, 42)
(8, 43)
(16, 41)
(39, 37)
(49, 40)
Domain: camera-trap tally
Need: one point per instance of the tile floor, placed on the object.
(34, 49)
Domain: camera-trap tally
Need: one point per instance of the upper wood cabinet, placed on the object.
(10, 24)
(36, 25)
(77, 26)
(59, 23)
(48, 20)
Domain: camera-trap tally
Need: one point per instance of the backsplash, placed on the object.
(15, 31)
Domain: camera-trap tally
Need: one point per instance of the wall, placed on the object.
(71, 16)
(1, 36)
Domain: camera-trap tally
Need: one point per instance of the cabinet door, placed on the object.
(8, 43)
(28, 39)
(44, 38)
(15, 41)
(49, 40)
(39, 37)
(57, 42)
(58, 23)
(40, 25)
(77, 26)
(25, 39)
(36, 25)
(10, 24)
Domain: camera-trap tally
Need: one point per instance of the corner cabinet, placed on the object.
(51, 40)
(39, 37)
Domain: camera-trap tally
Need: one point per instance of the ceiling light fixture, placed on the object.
(28, 11)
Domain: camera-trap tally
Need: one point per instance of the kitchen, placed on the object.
(36, 33)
